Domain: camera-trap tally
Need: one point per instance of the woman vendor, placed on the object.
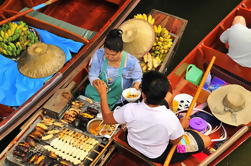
(117, 68)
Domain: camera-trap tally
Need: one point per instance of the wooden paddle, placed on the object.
(27, 11)
(189, 111)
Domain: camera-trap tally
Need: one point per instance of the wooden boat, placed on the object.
(110, 14)
(120, 153)
(224, 68)
(174, 24)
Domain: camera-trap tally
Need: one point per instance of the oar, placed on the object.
(189, 111)
(27, 11)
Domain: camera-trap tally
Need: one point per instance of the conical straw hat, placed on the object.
(41, 60)
(231, 104)
(138, 36)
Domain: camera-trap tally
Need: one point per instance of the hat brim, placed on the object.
(215, 103)
(42, 65)
(142, 41)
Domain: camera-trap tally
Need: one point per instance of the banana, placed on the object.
(145, 58)
(150, 19)
(150, 62)
(155, 28)
(145, 16)
(144, 68)
(2, 33)
(159, 29)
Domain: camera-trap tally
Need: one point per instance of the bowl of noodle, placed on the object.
(131, 94)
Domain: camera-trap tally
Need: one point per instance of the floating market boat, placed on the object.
(85, 21)
(173, 24)
(225, 69)
(119, 153)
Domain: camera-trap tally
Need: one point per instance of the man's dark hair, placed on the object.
(113, 40)
(155, 86)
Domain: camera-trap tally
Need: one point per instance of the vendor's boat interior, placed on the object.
(81, 20)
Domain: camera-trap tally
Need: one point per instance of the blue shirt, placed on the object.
(131, 72)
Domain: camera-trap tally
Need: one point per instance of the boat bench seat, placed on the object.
(85, 33)
(120, 138)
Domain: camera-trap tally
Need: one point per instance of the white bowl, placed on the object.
(131, 91)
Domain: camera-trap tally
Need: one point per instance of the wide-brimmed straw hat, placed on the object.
(138, 36)
(41, 60)
(231, 104)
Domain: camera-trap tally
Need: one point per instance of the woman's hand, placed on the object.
(100, 86)
(136, 85)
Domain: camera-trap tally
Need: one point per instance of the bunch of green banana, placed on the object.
(15, 37)
(148, 18)
(163, 42)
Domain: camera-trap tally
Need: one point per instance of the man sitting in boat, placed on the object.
(151, 126)
(117, 68)
(238, 38)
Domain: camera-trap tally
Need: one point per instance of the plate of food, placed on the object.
(97, 128)
(131, 94)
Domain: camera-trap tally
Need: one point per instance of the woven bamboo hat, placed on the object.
(41, 60)
(231, 104)
(138, 36)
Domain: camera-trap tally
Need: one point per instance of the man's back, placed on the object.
(238, 37)
(149, 128)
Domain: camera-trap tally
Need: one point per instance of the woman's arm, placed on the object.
(95, 65)
(136, 75)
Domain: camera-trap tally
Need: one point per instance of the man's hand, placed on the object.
(100, 86)
(185, 122)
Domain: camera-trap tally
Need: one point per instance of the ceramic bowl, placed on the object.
(131, 94)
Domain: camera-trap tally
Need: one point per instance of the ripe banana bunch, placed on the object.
(163, 42)
(148, 18)
(15, 37)
(150, 62)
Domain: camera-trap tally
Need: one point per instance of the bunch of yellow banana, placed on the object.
(163, 42)
(148, 18)
(150, 62)
(15, 37)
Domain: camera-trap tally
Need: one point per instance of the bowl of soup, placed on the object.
(131, 94)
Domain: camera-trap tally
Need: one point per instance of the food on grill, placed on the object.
(47, 137)
(43, 126)
(58, 124)
(53, 131)
(86, 115)
(71, 146)
(92, 110)
(70, 115)
(48, 121)
(77, 104)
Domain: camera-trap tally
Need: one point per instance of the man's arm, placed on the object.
(184, 122)
(175, 141)
(106, 112)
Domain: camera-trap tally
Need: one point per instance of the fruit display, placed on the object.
(16, 37)
(148, 18)
(163, 42)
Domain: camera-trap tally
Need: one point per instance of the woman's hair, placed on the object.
(114, 40)
(155, 87)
